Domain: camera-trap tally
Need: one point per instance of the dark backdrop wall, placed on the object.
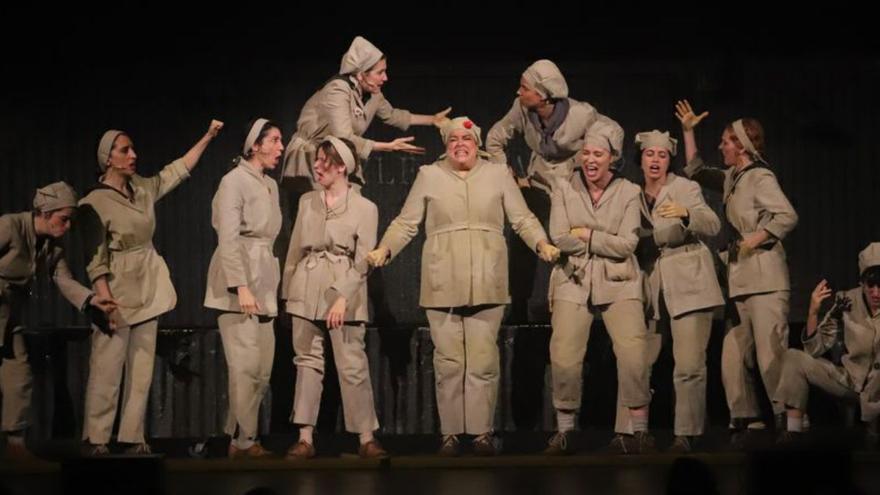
(162, 78)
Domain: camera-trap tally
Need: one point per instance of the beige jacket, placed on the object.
(855, 336)
(606, 269)
(246, 215)
(464, 258)
(684, 270)
(753, 200)
(568, 139)
(20, 260)
(327, 256)
(119, 244)
(338, 109)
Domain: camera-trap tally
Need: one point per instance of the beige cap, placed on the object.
(461, 123)
(605, 133)
(344, 152)
(54, 197)
(870, 256)
(545, 78)
(253, 134)
(657, 139)
(105, 146)
(361, 55)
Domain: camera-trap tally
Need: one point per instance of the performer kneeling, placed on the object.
(840, 353)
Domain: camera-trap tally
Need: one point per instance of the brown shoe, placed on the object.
(18, 453)
(372, 450)
(139, 449)
(558, 444)
(449, 447)
(484, 445)
(255, 451)
(95, 449)
(682, 445)
(300, 451)
(641, 442)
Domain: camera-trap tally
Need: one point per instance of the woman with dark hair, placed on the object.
(595, 221)
(325, 287)
(552, 124)
(30, 246)
(682, 285)
(341, 108)
(119, 222)
(243, 280)
(758, 217)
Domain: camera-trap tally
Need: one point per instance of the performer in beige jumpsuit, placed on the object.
(29, 247)
(595, 220)
(552, 124)
(682, 286)
(758, 217)
(119, 221)
(841, 354)
(243, 280)
(325, 287)
(553, 127)
(463, 200)
(339, 109)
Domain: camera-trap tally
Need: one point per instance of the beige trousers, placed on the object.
(249, 347)
(466, 366)
(800, 370)
(351, 366)
(134, 350)
(625, 322)
(761, 335)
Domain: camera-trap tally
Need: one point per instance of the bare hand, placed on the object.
(440, 119)
(671, 209)
(523, 182)
(336, 314)
(379, 256)
(686, 115)
(820, 293)
(214, 128)
(403, 144)
(548, 252)
(582, 233)
(104, 303)
(247, 301)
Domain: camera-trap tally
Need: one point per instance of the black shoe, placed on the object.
(789, 439)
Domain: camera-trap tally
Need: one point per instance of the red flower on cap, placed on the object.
(467, 124)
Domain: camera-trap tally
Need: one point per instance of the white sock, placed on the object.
(795, 424)
(365, 437)
(242, 443)
(564, 420)
(639, 422)
(757, 425)
(305, 434)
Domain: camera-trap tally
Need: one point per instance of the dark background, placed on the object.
(162, 72)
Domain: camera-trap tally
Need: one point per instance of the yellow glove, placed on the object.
(671, 209)
(581, 233)
(548, 252)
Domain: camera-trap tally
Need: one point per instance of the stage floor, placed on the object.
(830, 465)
